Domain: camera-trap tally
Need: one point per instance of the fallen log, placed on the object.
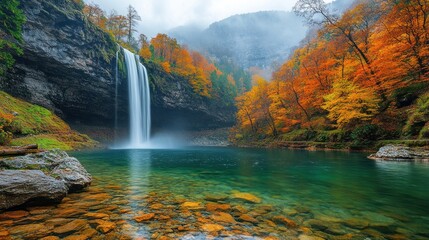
(30, 146)
(22, 150)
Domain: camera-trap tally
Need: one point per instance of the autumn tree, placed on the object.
(352, 24)
(117, 25)
(254, 109)
(132, 18)
(95, 14)
(350, 103)
(144, 51)
(164, 47)
(403, 41)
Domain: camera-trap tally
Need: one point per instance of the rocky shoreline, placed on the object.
(40, 179)
(401, 153)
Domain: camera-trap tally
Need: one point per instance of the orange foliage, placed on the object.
(190, 65)
(343, 75)
(166, 67)
(145, 53)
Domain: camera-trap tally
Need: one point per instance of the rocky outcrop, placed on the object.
(40, 178)
(176, 105)
(68, 66)
(400, 153)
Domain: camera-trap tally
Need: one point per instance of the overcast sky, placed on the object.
(162, 15)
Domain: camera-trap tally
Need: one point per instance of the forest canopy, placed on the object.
(365, 69)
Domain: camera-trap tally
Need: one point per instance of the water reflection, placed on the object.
(139, 164)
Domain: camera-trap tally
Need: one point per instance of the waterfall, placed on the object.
(139, 101)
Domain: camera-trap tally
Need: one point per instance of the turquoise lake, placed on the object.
(233, 193)
(331, 193)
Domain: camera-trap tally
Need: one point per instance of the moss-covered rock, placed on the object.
(32, 124)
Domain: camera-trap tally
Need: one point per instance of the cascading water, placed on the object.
(139, 101)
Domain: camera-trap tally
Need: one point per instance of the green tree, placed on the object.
(11, 21)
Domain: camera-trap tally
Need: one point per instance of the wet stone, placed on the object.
(215, 198)
(72, 226)
(307, 237)
(317, 224)
(69, 212)
(248, 218)
(94, 215)
(192, 205)
(211, 207)
(223, 217)
(285, 221)
(144, 217)
(156, 206)
(75, 237)
(212, 227)
(240, 209)
(50, 238)
(105, 226)
(13, 215)
(39, 210)
(248, 197)
(356, 223)
(88, 233)
(30, 230)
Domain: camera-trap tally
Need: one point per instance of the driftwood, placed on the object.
(21, 150)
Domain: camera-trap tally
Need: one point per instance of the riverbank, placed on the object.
(330, 146)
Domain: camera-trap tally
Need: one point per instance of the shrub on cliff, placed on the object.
(11, 20)
(5, 128)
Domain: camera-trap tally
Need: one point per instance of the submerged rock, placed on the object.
(144, 217)
(40, 178)
(212, 227)
(400, 153)
(248, 197)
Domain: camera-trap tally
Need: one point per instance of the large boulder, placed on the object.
(18, 187)
(40, 178)
(400, 153)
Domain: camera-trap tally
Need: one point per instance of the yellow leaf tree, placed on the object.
(349, 103)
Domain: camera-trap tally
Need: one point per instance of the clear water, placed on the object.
(336, 188)
(304, 195)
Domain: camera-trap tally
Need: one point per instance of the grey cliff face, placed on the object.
(66, 62)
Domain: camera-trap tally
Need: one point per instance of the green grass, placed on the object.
(44, 142)
(409, 143)
(29, 118)
(33, 124)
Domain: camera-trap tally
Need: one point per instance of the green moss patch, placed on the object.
(33, 124)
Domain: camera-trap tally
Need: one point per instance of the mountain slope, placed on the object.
(251, 40)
